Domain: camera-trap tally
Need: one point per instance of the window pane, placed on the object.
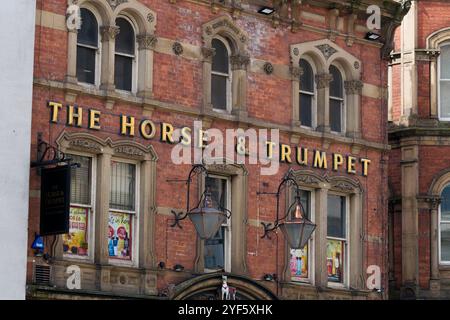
(307, 78)
(445, 242)
(219, 91)
(76, 242)
(306, 109)
(444, 102)
(335, 260)
(119, 235)
(215, 251)
(445, 204)
(335, 115)
(86, 65)
(123, 185)
(80, 180)
(299, 264)
(88, 33)
(220, 59)
(123, 72)
(336, 87)
(336, 217)
(125, 39)
(445, 62)
(218, 189)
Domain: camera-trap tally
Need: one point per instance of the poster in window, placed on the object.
(299, 264)
(119, 235)
(335, 260)
(75, 242)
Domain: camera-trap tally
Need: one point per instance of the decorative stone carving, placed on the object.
(146, 41)
(356, 65)
(353, 87)
(268, 68)
(115, 3)
(296, 72)
(129, 151)
(344, 186)
(86, 145)
(208, 53)
(296, 52)
(323, 80)
(239, 61)
(109, 32)
(177, 48)
(326, 50)
(150, 17)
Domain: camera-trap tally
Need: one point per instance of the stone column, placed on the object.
(353, 90)
(356, 243)
(320, 236)
(296, 73)
(239, 65)
(146, 44)
(434, 238)
(108, 34)
(239, 224)
(71, 76)
(323, 102)
(207, 53)
(410, 228)
(434, 83)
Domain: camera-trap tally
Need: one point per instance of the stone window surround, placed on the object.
(224, 27)
(324, 53)
(434, 42)
(104, 151)
(238, 175)
(322, 185)
(144, 20)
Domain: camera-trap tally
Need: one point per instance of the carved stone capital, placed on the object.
(323, 80)
(239, 61)
(109, 32)
(296, 72)
(208, 53)
(146, 41)
(353, 86)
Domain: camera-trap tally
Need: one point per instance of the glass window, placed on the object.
(220, 75)
(445, 225)
(87, 46)
(122, 210)
(336, 238)
(125, 55)
(444, 81)
(336, 99)
(216, 250)
(299, 258)
(76, 242)
(306, 93)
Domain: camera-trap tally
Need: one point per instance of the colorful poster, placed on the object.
(335, 260)
(75, 242)
(299, 264)
(119, 237)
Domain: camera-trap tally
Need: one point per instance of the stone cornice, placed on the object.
(176, 108)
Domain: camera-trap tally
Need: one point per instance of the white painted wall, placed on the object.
(17, 24)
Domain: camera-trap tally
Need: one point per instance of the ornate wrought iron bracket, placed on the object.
(178, 216)
(48, 155)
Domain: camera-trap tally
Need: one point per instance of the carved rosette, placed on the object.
(323, 80)
(146, 41)
(326, 50)
(109, 32)
(177, 48)
(268, 68)
(353, 86)
(239, 61)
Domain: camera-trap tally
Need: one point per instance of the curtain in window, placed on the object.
(123, 184)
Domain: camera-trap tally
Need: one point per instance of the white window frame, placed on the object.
(342, 100)
(312, 94)
(439, 80)
(229, 82)
(440, 221)
(134, 218)
(347, 267)
(98, 50)
(227, 225)
(134, 66)
(91, 215)
(311, 256)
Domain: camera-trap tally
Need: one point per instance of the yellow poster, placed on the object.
(75, 242)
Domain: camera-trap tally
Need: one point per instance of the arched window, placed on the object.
(221, 76)
(87, 46)
(336, 100)
(125, 55)
(444, 226)
(444, 82)
(306, 110)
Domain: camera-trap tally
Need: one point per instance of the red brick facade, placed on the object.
(177, 99)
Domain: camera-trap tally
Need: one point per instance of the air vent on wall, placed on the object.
(42, 274)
